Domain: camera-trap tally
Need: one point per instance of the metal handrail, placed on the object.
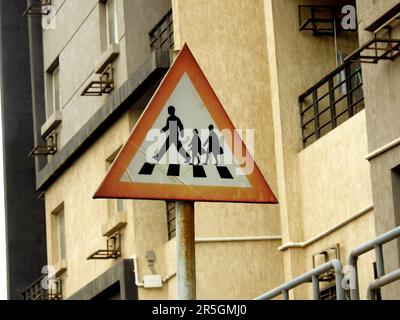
(381, 282)
(375, 244)
(312, 276)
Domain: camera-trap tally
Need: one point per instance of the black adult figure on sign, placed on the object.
(214, 147)
(175, 127)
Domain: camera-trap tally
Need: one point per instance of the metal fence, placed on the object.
(383, 280)
(37, 291)
(312, 276)
(330, 102)
(162, 35)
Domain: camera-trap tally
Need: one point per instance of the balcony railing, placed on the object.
(330, 102)
(162, 35)
(37, 291)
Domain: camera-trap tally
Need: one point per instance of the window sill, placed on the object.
(108, 56)
(52, 123)
(60, 267)
(115, 223)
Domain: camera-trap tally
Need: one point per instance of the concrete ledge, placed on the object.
(121, 273)
(140, 85)
(305, 244)
(60, 267)
(52, 123)
(117, 222)
(108, 56)
(384, 149)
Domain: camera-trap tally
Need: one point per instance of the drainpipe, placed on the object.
(135, 269)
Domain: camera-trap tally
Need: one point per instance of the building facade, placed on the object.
(289, 69)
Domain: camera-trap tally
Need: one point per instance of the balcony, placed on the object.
(103, 85)
(112, 250)
(330, 102)
(37, 291)
(48, 149)
(162, 35)
(38, 8)
(322, 20)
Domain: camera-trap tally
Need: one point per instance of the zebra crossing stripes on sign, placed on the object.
(174, 170)
(184, 147)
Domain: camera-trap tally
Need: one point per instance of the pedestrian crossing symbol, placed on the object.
(184, 147)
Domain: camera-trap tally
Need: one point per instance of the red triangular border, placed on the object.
(112, 187)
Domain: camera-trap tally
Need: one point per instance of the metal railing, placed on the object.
(383, 280)
(37, 291)
(317, 18)
(162, 35)
(330, 102)
(312, 276)
(171, 219)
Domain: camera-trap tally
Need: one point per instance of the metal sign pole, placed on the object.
(185, 244)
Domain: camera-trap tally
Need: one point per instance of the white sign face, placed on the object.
(184, 147)
(173, 168)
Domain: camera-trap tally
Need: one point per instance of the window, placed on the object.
(329, 293)
(56, 89)
(58, 235)
(396, 194)
(171, 220)
(54, 92)
(117, 205)
(112, 23)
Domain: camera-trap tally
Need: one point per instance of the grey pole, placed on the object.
(381, 282)
(185, 245)
(380, 264)
(368, 246)
(285, 294)
(315, 285)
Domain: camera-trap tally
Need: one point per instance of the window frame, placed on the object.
(114, 38)
(58, 235)
(62, 235)
(171, 219)
(53, 89)
(115, 206)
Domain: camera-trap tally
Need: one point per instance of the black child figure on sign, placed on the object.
(214, 147)
(196, 148)
(175, 127)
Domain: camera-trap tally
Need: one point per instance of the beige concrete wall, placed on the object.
(312, 181)
(140, 17)
(370, 10)
(297, 60)
(77, 42)
(383, 123)
(335, 168)
(336, 186)
(84, 216)
(380, 86)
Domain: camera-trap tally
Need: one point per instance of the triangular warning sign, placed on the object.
(184, 147)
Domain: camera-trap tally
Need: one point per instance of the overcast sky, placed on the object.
(3, 287)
